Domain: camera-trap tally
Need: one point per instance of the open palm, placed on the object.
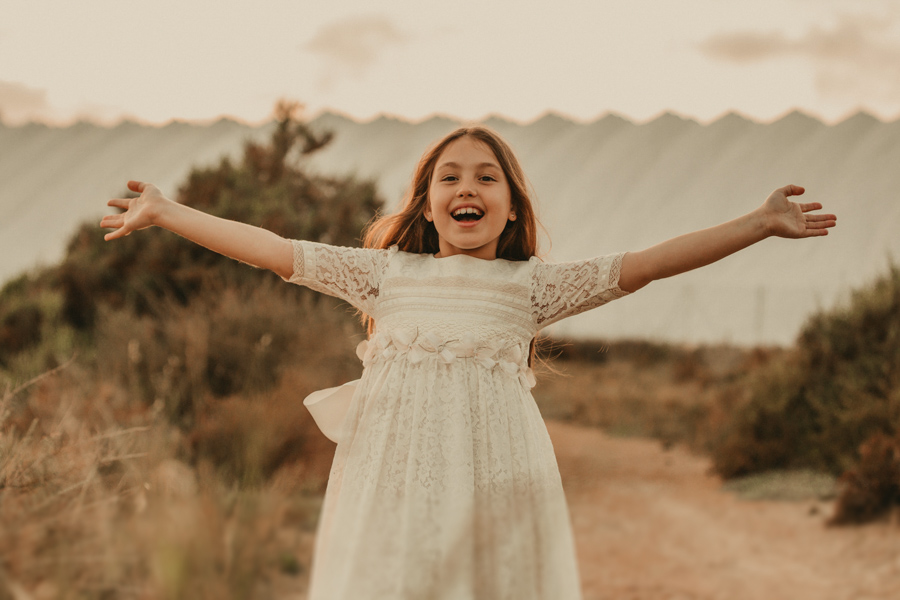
(792, 219)
(139, 212)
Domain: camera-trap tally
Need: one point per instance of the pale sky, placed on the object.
(103, 60)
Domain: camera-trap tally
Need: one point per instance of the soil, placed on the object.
(654, 524)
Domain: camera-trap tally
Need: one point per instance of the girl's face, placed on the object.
(469, 200)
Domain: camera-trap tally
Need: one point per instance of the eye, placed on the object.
(449, 178)
(488, 178)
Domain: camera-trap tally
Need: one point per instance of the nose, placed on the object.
(465, 190)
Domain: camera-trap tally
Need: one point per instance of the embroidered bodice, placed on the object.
(456, 307)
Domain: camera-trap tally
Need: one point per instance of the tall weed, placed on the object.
(101, 497)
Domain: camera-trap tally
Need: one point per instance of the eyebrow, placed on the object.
(479, 166)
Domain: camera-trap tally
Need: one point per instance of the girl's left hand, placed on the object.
(787, 219)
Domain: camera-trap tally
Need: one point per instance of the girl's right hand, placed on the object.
(140, 212)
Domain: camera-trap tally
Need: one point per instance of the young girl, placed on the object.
(444, 482)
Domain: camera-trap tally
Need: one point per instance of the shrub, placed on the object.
(269, 188)
(195, 337)
(174, 457)
(20, 329)
(836, 389)
(160, 287)
(872, 487)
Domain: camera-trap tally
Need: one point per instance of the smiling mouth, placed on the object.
(467, 215)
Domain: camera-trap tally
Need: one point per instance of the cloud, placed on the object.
(349, 47)
(859, 39)
(859, 56)
(20, 103)
(745, 46)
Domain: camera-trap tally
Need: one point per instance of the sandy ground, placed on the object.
(653, 524)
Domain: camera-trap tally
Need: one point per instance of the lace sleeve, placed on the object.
(561, 290)
(351, 274)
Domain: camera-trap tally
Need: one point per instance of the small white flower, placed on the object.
(382, 341)
(527, 377)
(487, 352)
(431, 342)
(416, 354)
(490, 347)
(403, 339)
(515, 354)
(466, 346)
(509, 367)
(362, 350)
(447, 356)
(485, 361)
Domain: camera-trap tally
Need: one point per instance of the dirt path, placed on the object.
(652, 524)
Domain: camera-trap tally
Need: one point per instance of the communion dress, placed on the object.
(444, 483)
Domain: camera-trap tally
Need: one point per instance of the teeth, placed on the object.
(469, 210)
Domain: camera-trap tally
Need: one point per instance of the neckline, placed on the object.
(487, 260)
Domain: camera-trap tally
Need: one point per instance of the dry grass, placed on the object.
(98, 497)
(104, 495)
(671, 393)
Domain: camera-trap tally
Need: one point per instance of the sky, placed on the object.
(105, 60)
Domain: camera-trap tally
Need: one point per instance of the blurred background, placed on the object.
(152, 439)
(635, 124)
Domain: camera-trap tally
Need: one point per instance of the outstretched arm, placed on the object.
(246, 243)
(778, 216)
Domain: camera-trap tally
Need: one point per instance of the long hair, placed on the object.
(411, 232)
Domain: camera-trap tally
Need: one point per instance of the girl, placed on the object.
(444, 483)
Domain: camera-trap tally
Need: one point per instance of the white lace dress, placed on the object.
(445, 484)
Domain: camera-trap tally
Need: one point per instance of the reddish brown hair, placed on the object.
(411, 232)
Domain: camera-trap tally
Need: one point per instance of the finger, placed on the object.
(121, 230)
(831, 218)
(808, 206)
(819, 224)
(112, 221)
(136, 186)
(810, 232)
(112, 235)
(792, 190)
(119, 203)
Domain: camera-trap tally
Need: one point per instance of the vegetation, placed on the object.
(827, 408)
(172, 456)
(831, 404)
(638, 388)
(154, 296)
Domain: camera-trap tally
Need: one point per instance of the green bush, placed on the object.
(836, 389)
(146, 277)
(270, 188)
(178, 326)
(20, 328)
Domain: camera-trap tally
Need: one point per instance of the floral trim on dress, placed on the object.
(416, 347)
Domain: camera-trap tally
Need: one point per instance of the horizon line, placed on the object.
(127, 119)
